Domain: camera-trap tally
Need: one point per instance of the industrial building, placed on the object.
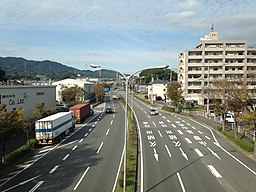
(213, 59)
(27, 97)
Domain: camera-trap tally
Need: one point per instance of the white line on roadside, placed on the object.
(199, 152)
(107, 131)
(74, 148)
(214, 171)
(66, 144)
(81, 178)
(181, 183)
(99, 148)
(36, 186)
(54, 169)
(64, 158)
(168, 151)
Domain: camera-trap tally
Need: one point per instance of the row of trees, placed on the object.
(14, 122)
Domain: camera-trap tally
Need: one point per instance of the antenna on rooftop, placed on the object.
(212, 28)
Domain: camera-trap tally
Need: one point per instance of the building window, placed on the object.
(39, 93)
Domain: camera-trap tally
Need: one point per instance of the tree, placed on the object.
(2, 75)
(10, 123)
(163, 74)
(174, 92)
(99, 91)
(72, 95)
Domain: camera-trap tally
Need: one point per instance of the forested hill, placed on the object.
(16, 68)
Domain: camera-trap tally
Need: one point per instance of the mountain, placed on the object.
(17, 67)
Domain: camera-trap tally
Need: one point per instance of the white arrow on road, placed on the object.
(155, 155)
(184, 154)
(215, 154)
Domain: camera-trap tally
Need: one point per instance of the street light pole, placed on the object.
(127, 78)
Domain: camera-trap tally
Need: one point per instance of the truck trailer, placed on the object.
(53, 127)
(80, 111)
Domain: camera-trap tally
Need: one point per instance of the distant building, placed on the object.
(27, 97)
(213, 59)
(83, 83)
(156, 89)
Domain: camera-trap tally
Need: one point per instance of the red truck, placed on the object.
(80, 111)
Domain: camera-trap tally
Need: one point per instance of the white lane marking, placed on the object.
(154, 123)
(111, 122)
(168, 121)
(81, 140)
(152, 143)
(155, 155)
(95, 123)
(215, 154)
(36, 186)
(66, 144)
(86, 134)
(174, 126)
(90, 129)
(74, 148)
(184, 154)
(64, 158)
(181, 183)
(214, 171)
(180, 132)
(93, 126)
(168, 151)
(113, 115)
(99, 147)
(188, 140)
(78, 183)
(200, 132)
(107, 131)
(149, 117)
(164, 117)
(193, 127)
(207, 137)
(54, 169)
(160, 133)
(13, 173)
(197, 138)
(200, 154)
(21, 183)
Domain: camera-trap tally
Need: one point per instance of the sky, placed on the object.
(125, 35)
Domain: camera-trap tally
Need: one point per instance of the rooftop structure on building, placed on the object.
(213, 59)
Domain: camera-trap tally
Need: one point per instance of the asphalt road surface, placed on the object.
(179, 154)
(89, 159)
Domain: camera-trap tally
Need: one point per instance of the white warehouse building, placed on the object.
(27, 97)
(80, 82)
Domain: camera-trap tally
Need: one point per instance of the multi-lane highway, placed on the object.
(87, 160)
(179, 154)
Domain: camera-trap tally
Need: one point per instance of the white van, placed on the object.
(229, 118)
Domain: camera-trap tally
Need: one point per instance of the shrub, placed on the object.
(244, 145)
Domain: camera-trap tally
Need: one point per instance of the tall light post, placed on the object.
(127, 78)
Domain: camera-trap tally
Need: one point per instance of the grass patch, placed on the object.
(131, 156)
(239, 142)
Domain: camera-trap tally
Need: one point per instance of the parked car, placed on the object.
(153, 111)
(229, 118)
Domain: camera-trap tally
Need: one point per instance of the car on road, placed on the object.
(109, 110)
(153, 111)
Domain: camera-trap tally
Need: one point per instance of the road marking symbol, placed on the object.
(184, 154)
(215, 154)
(168, 132)
(64, 158)
(177, 143)
(155, 155)
(152, 143)
(180, 132)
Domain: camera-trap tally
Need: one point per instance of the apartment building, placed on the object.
(212, 59)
